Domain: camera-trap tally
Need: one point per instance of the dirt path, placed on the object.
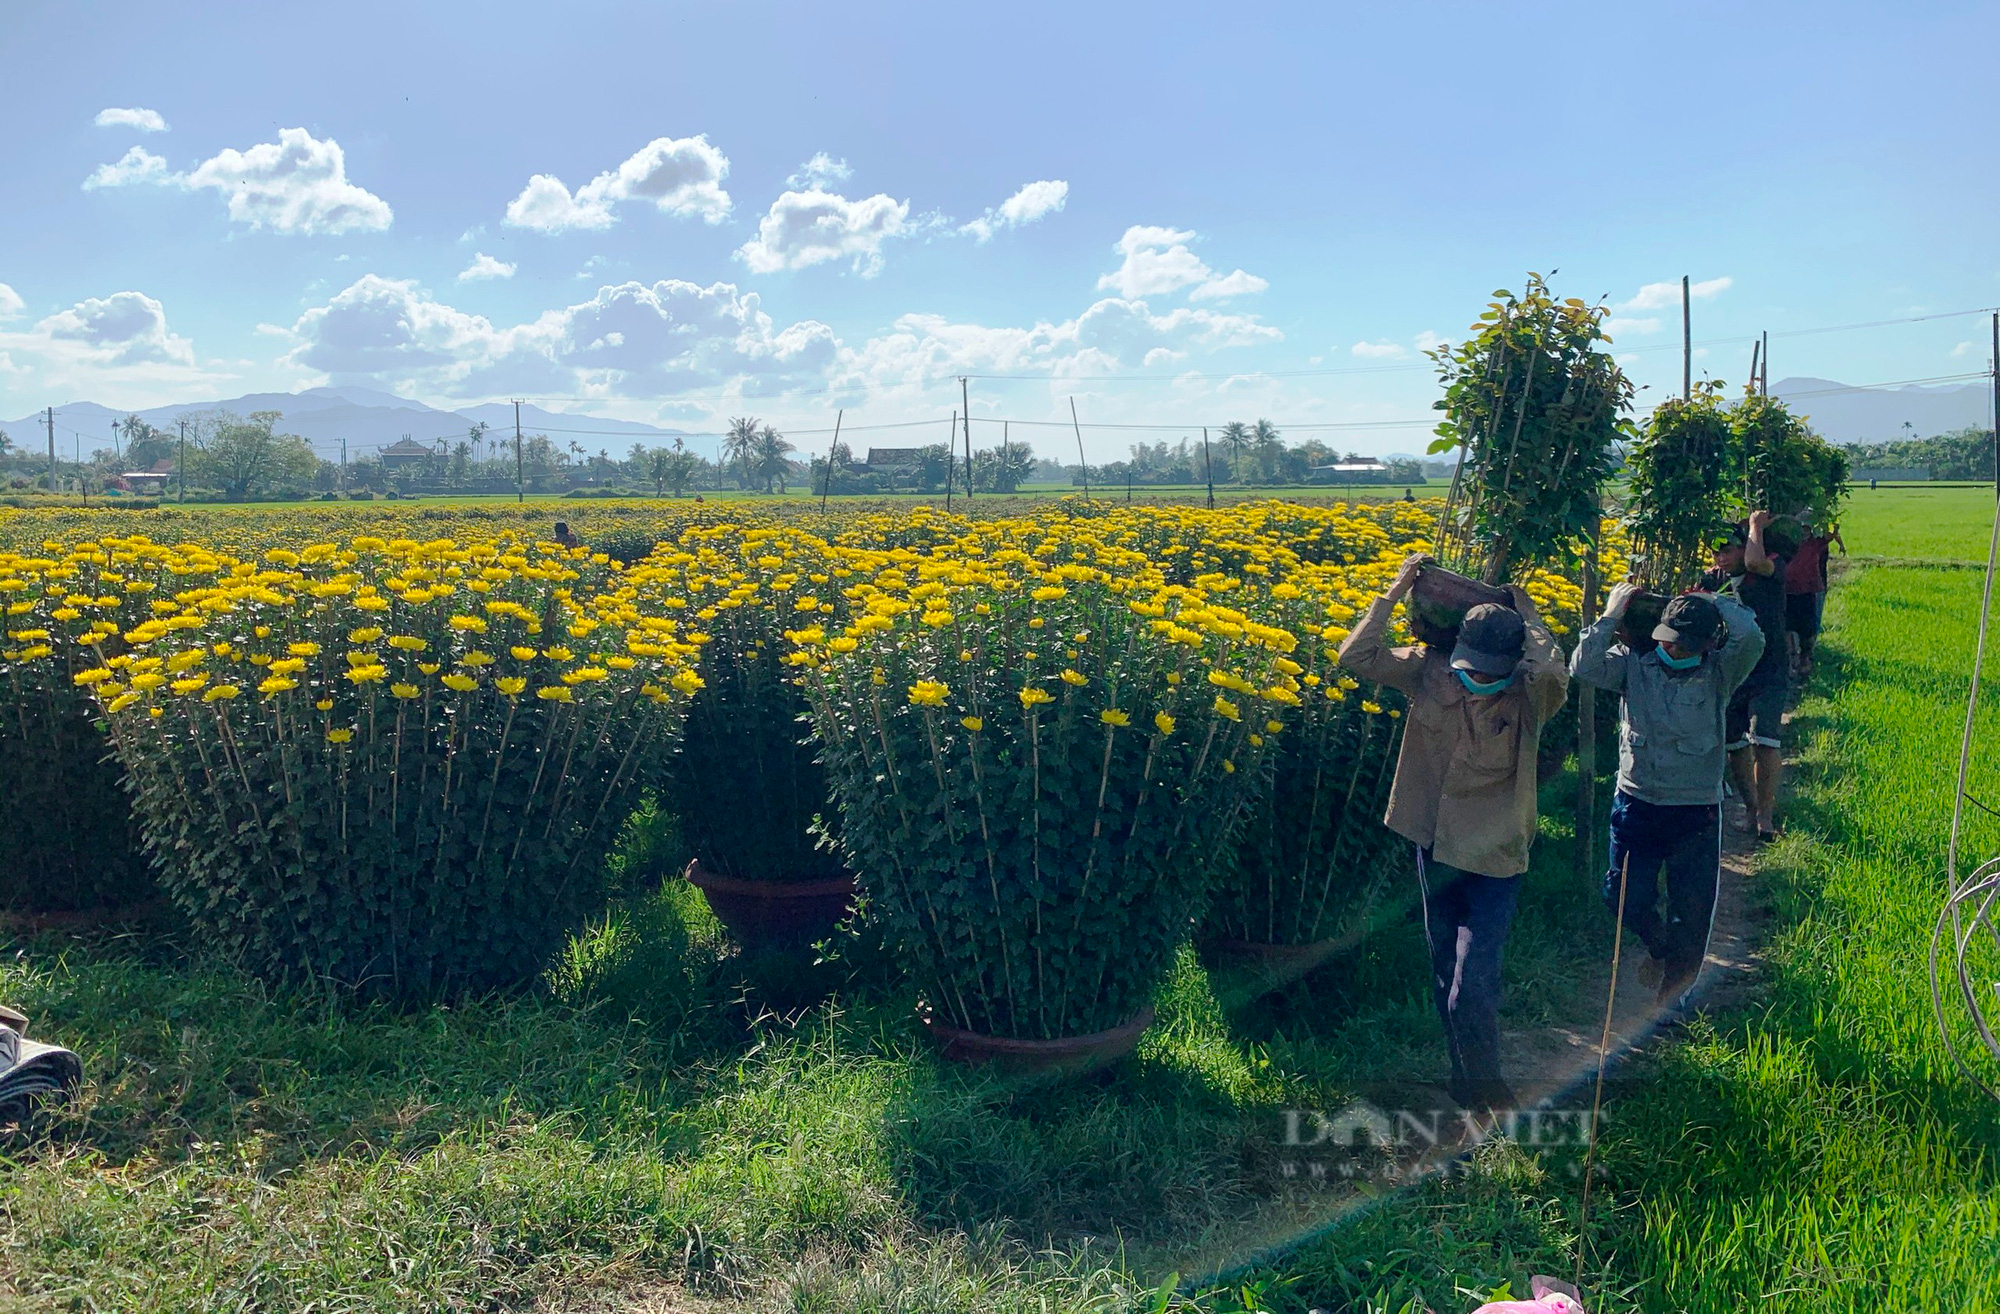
(1560, 1056)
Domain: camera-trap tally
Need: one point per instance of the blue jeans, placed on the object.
(1466, 918)
(1686, 844)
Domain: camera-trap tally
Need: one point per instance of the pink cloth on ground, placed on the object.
(1551, 1297)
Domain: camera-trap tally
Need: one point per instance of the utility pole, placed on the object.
(827, 487)
(950, 460)
(50, 416)
(1765, 387)
(1208, 467)
(1081, 459)
(1756, 353)
(965, 397)
(1687, 343)
(520, 480)
(181, 459)
(343, 463)
(1996, 404)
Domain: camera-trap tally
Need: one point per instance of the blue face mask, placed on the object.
(1674, 663)
(1477, 689)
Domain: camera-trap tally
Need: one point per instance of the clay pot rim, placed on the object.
(1061, 1047)
(703, 879)
(1269, 949)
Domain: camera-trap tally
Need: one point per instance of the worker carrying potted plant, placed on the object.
(1464, 794)
(1676, 687)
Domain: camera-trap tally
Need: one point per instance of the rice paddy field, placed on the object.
(661, 1124)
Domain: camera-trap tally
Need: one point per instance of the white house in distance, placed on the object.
(1354, 470)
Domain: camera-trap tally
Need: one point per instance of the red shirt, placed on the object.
(1806, 572)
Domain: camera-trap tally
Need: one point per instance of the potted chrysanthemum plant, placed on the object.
(1036, 756)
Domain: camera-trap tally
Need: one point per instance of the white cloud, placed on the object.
(116, 349)
(297, 184)
(1113, 333)
(125, 328)
(1428, 340)
(631, 339)
(1229, 285)
(10, 302)
(1660, 296)
(137, 165)
(145, 120)
(1379, 350)
(820, 170)
(813, 226)
(1615, 327)
(679, 176)
(484, 266)
(1031, 203)
(1960, 352)
(1159, 261)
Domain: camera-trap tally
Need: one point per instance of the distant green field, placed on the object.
(1917, 523)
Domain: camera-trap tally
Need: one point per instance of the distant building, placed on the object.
(405, 452)
(894, 460)
(150, 481)
(1369, 471)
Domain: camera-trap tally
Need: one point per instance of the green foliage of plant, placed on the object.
(1787, 468)
(748, 788)
(1031, 804)
(67, 837)
(1534, 406)
(1309, 863)
(1685, 470)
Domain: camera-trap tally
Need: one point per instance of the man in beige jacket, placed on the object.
(1464, 794)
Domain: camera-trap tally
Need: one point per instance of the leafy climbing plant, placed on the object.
(1684, 470)
(1534, 406)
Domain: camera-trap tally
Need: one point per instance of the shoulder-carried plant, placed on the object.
(1787, 468)
(1534, 405)
(1685, 471)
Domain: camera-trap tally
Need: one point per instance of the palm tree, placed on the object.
(1236, 436)
(1264, 441)
(770, 451)
(739, 446)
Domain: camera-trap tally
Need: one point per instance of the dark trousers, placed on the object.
(1466, 917)
(1686, 844)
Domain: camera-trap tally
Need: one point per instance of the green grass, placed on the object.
(646, 1119)
(1818, 1153)
(1919, 524)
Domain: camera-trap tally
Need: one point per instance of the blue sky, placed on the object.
(1178, 215)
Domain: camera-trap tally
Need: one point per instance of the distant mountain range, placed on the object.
(366, 420)
(1841, 414)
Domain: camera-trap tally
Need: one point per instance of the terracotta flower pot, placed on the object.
(1259, 967)
(1440, 598)
(772, 914)
(1642, 613)
(1070, 1055)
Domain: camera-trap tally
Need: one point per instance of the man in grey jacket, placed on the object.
(1667, 815)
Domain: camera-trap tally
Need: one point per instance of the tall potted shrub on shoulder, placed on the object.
(1683, 474)
(748, 788)
(1037, 754)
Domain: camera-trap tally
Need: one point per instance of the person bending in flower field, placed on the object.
(1672, 725)
(1464, 794)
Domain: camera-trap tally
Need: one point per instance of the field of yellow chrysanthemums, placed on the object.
(391, 750)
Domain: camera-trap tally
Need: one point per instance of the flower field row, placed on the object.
(394, 756)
